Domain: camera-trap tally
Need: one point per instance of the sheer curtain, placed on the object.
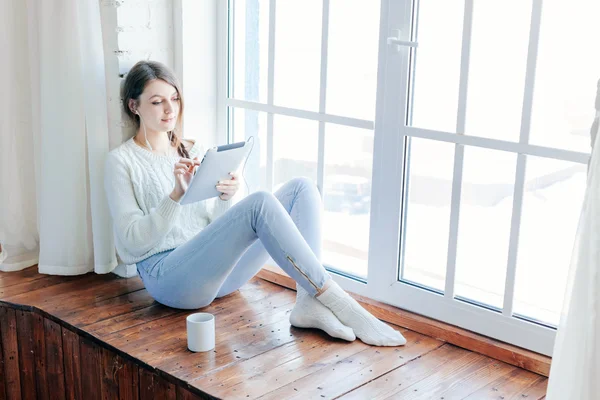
(575, 370)
(54, 138)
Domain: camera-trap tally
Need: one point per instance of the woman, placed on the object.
(189, 255)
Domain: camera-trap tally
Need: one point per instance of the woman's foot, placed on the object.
(366, 327)
(310, 313)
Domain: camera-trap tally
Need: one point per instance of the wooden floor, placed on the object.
(258, 354)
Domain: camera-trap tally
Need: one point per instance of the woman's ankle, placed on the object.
(323, 289)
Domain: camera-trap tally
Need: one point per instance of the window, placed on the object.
(452, 181)
(302, 81)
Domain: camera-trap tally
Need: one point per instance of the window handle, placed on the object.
(395, 40)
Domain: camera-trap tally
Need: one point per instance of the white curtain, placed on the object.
(575, 369)
(54, 138)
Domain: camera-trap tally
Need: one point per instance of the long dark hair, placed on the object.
(136, 80)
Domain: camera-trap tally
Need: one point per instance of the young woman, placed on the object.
(189, 255)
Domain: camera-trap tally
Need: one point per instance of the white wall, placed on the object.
(199, 68)
(179, 33)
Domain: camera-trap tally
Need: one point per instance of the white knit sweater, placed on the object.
(146, 220)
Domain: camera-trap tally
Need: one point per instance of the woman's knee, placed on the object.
(262, 197)
(302, 182)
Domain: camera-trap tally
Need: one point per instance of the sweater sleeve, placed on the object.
(138, 233)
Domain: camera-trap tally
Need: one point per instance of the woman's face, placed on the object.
(159, 106)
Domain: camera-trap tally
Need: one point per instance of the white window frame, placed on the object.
(390, 135)
(390, 147)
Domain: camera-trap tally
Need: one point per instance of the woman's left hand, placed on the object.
(229, 188)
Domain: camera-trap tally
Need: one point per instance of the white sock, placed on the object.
(366, 327)
(310, 313)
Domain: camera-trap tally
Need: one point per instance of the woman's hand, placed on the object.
(183, 171)
(229, 188)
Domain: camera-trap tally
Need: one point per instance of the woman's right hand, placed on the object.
(183, 171)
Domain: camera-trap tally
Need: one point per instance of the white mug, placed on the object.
(200, 332)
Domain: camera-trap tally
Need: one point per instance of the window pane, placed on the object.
(554, 192)
(427, 212)
(347, 198)
(484, 225)
(497, 68)
(435, 96)
(248, 123)
(352, 58)
(567, 72)
(250, 49)
(298, 54)
(295, 143)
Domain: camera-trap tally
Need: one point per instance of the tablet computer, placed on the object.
(216, 165)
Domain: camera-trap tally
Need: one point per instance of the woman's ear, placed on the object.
(132, 106)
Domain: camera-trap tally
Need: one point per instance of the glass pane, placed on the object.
(435, 92)
(497, 68)
(347, 198)
(250, 49)
(552, 202)
(295, 143)
(298, 54)
(484, 225)
(248, 123)
(427, 212)
(352, 58)
(567, 72)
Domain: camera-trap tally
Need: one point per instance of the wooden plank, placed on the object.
(344, 374)
(277, 276)
(20, 277)
(392, 382)
(26, 354)
(128, 377)
(109, 382)
(241, 371)
(537, 390)
(105, 296)
(54, 360)
(118, 323)
(147, 387)
(235, 342)
(172, 346)
(90, 369)
(110, 308)
(518, 384)
(478, 379)
(313, 359)
(68, 288)
(168, 340)
(163, 389)
(438, 381)
(10, 349)
(184, 394)
(510, 354)
(249, 293)
(72, 362)
(257, 351)
(21, 289)
(39, 336)
(77, 294)
(2, 371)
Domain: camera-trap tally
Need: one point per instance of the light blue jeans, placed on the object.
(234, 247)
